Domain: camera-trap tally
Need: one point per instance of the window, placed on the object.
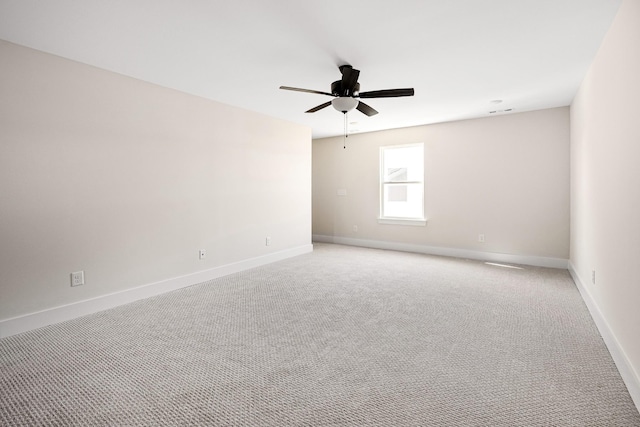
(402, 184)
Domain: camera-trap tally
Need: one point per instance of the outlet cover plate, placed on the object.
(77, 278)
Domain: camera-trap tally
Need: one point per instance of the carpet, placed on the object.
(342, 336)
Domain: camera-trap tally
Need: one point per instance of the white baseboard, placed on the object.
(628, 374)
(62, 313)
(451, 252)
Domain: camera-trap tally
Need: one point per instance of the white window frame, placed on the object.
(416, 221)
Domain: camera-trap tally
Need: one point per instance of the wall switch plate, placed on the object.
(77, 278)
(355, 228)
(267, 241)
(481, 238)
(202, 253)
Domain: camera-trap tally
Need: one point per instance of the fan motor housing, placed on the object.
(337, 89)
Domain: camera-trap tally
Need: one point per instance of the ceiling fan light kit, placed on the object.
(347, 90)
(344, 104)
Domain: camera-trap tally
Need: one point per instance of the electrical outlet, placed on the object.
(267, 241)
(481, 238)
(77, 278)
(202, 253)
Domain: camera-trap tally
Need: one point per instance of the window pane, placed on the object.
(402, 175)
(397, 193)
(402, 200)
(396, 175)
(409, 160)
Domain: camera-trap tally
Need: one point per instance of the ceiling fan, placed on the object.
(346, 90)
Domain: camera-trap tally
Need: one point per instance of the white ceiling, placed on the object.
(458, 54)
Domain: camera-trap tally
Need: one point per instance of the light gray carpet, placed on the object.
(340, 337)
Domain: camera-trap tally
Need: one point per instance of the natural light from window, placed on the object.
(401, 182)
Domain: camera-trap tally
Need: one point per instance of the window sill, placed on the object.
(419, 222)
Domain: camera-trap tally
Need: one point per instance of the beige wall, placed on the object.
(605, 181)
(505, 176)
(127, 181)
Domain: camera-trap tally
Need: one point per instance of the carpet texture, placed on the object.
(342, 336)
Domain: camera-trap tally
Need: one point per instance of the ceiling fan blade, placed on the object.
(349, 79)
(387, 93)
(305, 90)
(319, 107)
(364, 108)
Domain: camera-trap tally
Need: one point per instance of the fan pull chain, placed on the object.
(344, 140)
